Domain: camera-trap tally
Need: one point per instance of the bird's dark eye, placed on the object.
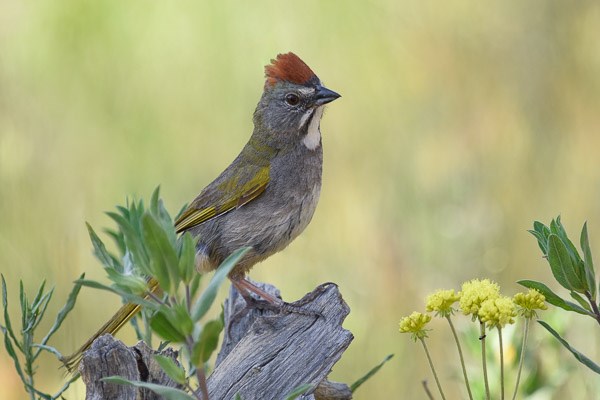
(292, 99)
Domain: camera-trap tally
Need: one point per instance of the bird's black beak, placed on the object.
(324, 95)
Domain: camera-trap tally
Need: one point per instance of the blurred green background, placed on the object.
(460, 123)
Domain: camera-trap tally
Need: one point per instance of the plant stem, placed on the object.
(483, 359)
(594, 306)
(200, 375)
(460, 353)
(437, 381)
(501, 364)
(525, 333)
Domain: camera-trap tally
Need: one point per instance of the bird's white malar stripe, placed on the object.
(305, 117)
(313, 137)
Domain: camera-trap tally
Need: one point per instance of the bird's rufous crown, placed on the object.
(288, 67)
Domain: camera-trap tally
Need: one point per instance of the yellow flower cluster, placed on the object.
(474, 293)
(529, 302)
(497, 312)
(441, 302)
(415, 324)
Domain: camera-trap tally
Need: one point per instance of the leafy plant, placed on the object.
(20, 344)
(156, 270)
(573, 272)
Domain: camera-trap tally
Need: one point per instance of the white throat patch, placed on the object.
(313, 137)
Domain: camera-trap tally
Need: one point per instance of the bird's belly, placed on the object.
(267, 227)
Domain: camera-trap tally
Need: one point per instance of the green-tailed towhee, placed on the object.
(267, 196)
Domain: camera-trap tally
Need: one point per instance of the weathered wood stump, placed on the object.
(264, 355)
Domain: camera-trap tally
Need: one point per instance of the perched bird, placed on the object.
(267, 196)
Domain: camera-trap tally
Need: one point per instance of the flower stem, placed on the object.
(437, 381)
(525, 334)
(460, 353)
(483, 360)
(501, 364)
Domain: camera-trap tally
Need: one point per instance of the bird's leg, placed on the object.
(246, 287)
(269, 302)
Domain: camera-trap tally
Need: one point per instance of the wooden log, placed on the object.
(264, 355)
(110, 357)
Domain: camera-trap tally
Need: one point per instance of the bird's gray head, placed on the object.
(292, 103)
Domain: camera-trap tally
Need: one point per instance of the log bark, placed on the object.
(264, 355)
(110, 357)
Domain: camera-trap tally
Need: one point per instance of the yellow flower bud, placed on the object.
(415, 324)
(474, 293)
(441, 302)
(529, 302)
(498, 312)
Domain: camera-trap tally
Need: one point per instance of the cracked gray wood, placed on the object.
(110, 357)
(266, 355)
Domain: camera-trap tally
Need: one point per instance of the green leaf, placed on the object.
(187, 258)
(99, 249)
(369, 374)
(62, 314)
(562, 265)
(553, 298)
(171, 368)
(133, 242)
(590, 274)
(582, 302)
(165, 329)
(208, 295)
(163, 254)
(237, 397)
(12, 353)
(207, 342)
(541, 232)
(168, 393)
(571, 249)
(578, 355)
(49, 349)
(298, 391)
(7, 323)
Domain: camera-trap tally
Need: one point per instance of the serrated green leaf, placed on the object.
(171, 368)
(298, 391)
(562, 265)
(168, 393)
(207, 342)
(590, 273)
(369, 374)
(165, 329)
(163, 254)
(578, 355)
(552, 297)
(208, 295)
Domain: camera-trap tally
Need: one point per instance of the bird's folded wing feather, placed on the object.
(231, 190)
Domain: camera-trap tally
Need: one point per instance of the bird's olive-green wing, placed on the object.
(224, 195)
